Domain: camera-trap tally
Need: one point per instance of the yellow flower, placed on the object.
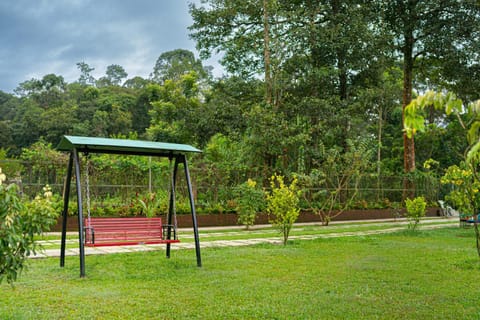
(47, 191)
(3, 177)
(8, 220)
(251, 183)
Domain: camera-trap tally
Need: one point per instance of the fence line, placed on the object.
(32, 176)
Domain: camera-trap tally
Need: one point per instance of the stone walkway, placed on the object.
(205, 243)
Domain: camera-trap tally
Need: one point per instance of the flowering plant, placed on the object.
(282, 204)
(2, 177)
(465, 188)
(19, 223)
(250, 200)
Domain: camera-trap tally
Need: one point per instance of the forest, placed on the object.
(313, 89)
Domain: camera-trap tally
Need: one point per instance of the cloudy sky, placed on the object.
(38, 37)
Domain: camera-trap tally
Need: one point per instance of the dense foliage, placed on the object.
(306, 81)
(463, 179)
(20, 222)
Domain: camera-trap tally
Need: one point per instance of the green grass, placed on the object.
(265, 232)
(306, 230)
(424, 275)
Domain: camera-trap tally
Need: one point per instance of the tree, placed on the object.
(465, 177)
(266, 7)
(380, 103)
(113, 76)
(45, 161)
(233, 27)
(136, 83)
(6, 134)
(8, 106)
(273, 141)
(172, 65)
(314, 57)
(334, 185)
(225, 106)
(172, 115)
(325, 43)
(431, 32)
(47, 92)
(26, 127)
(56, 122)
(86, 77)
(242, 31)
(221, 166)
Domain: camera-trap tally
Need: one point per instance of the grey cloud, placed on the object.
(41, 37)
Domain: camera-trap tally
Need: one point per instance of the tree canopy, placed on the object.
(305, 79)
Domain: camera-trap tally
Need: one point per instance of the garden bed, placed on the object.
(230, 219)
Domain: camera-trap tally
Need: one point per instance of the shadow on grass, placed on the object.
(469, 264)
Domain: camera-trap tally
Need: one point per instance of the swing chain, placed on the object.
(87, 187)
(172, 191)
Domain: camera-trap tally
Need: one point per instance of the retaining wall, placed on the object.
(230, 219)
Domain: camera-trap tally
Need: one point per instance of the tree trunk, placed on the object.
(379, 152)
(477, 234)
(266, 54)
(340, 55)
(313, 42)
(408, 143)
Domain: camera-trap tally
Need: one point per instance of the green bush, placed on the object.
(416, 209)
(282, 204)
(150, 204)
(250, 200)
(19, 223)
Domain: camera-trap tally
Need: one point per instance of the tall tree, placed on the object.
(47, 92)
(172, 113)
(113, 76)
(311, 54)
(324, 45)
(430, 30)
(266, 52)
(172, 65)
(240, 30)
(86, 77)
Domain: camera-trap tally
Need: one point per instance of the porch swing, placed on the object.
(123, 231)
(102, 231)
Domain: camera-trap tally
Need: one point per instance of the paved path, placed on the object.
(205, 243)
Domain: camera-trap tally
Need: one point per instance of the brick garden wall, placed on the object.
(230, 219)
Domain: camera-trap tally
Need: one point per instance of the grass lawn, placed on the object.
(432, 274)
(186, 235)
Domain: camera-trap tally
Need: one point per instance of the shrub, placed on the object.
(19, 223)
(150, 204)
(250, 200)
(282, 204)
(416, 209)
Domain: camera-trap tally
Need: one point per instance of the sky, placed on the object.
(39, 37)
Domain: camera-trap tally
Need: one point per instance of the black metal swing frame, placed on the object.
(76, 145)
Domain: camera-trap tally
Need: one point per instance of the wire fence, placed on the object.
(124, 183)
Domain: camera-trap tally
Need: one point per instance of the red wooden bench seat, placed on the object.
(126, 231)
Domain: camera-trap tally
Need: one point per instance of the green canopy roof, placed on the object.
(123, 146)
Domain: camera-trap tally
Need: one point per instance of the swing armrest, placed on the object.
(167, 231)
(89, 235)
